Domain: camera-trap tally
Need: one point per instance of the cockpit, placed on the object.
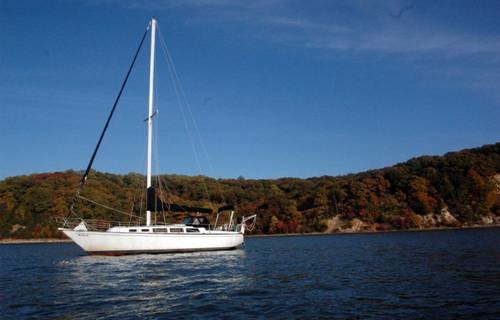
(197, 221)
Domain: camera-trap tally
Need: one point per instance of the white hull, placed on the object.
(119, 243)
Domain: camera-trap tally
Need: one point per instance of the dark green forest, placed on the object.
(457, 189)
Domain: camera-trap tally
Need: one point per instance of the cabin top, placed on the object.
(172, 228)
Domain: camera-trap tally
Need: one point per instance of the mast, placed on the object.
(150, 113)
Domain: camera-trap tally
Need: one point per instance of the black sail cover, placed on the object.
(155, 204)
(226, 208)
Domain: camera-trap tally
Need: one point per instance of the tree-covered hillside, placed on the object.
(459, 188)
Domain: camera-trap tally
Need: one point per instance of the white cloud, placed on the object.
(397, 29)
(446, 44)
(303, 24)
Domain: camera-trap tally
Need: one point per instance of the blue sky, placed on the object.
(276, 88)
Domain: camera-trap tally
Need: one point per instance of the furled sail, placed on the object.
(226, 208)
(155, 204)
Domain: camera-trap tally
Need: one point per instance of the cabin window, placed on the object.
(178, 230)
(192, 230)
(132, 230)
(144, 230)
(160, 230)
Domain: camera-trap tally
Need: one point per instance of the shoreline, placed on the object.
(492, 226)
(33, 241)
(367, 232)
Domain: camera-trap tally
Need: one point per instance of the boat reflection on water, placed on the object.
(163, 283)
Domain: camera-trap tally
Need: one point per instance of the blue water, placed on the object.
(440, 275)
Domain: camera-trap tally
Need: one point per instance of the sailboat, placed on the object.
(195, 233)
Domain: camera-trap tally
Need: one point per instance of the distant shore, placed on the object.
(53, 240)
(340, 233)
(32, 241)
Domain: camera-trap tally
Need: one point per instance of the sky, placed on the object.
(274, 88)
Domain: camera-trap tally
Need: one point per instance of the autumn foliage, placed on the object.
(403, 196)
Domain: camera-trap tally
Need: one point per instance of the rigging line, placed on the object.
(137, 192)
(140, 207)
(156, 143)
(184, 118)
(179, 92)
(133, 207)
(155, 140)
(143, 187)
(157, 158)
(84, 178)
(157, 150)
(160, 183)
(158, 176)
(105, 206)
(188, 107)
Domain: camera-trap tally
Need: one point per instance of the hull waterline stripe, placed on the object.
(130, 252)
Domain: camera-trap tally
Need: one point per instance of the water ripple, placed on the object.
(447, 275)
